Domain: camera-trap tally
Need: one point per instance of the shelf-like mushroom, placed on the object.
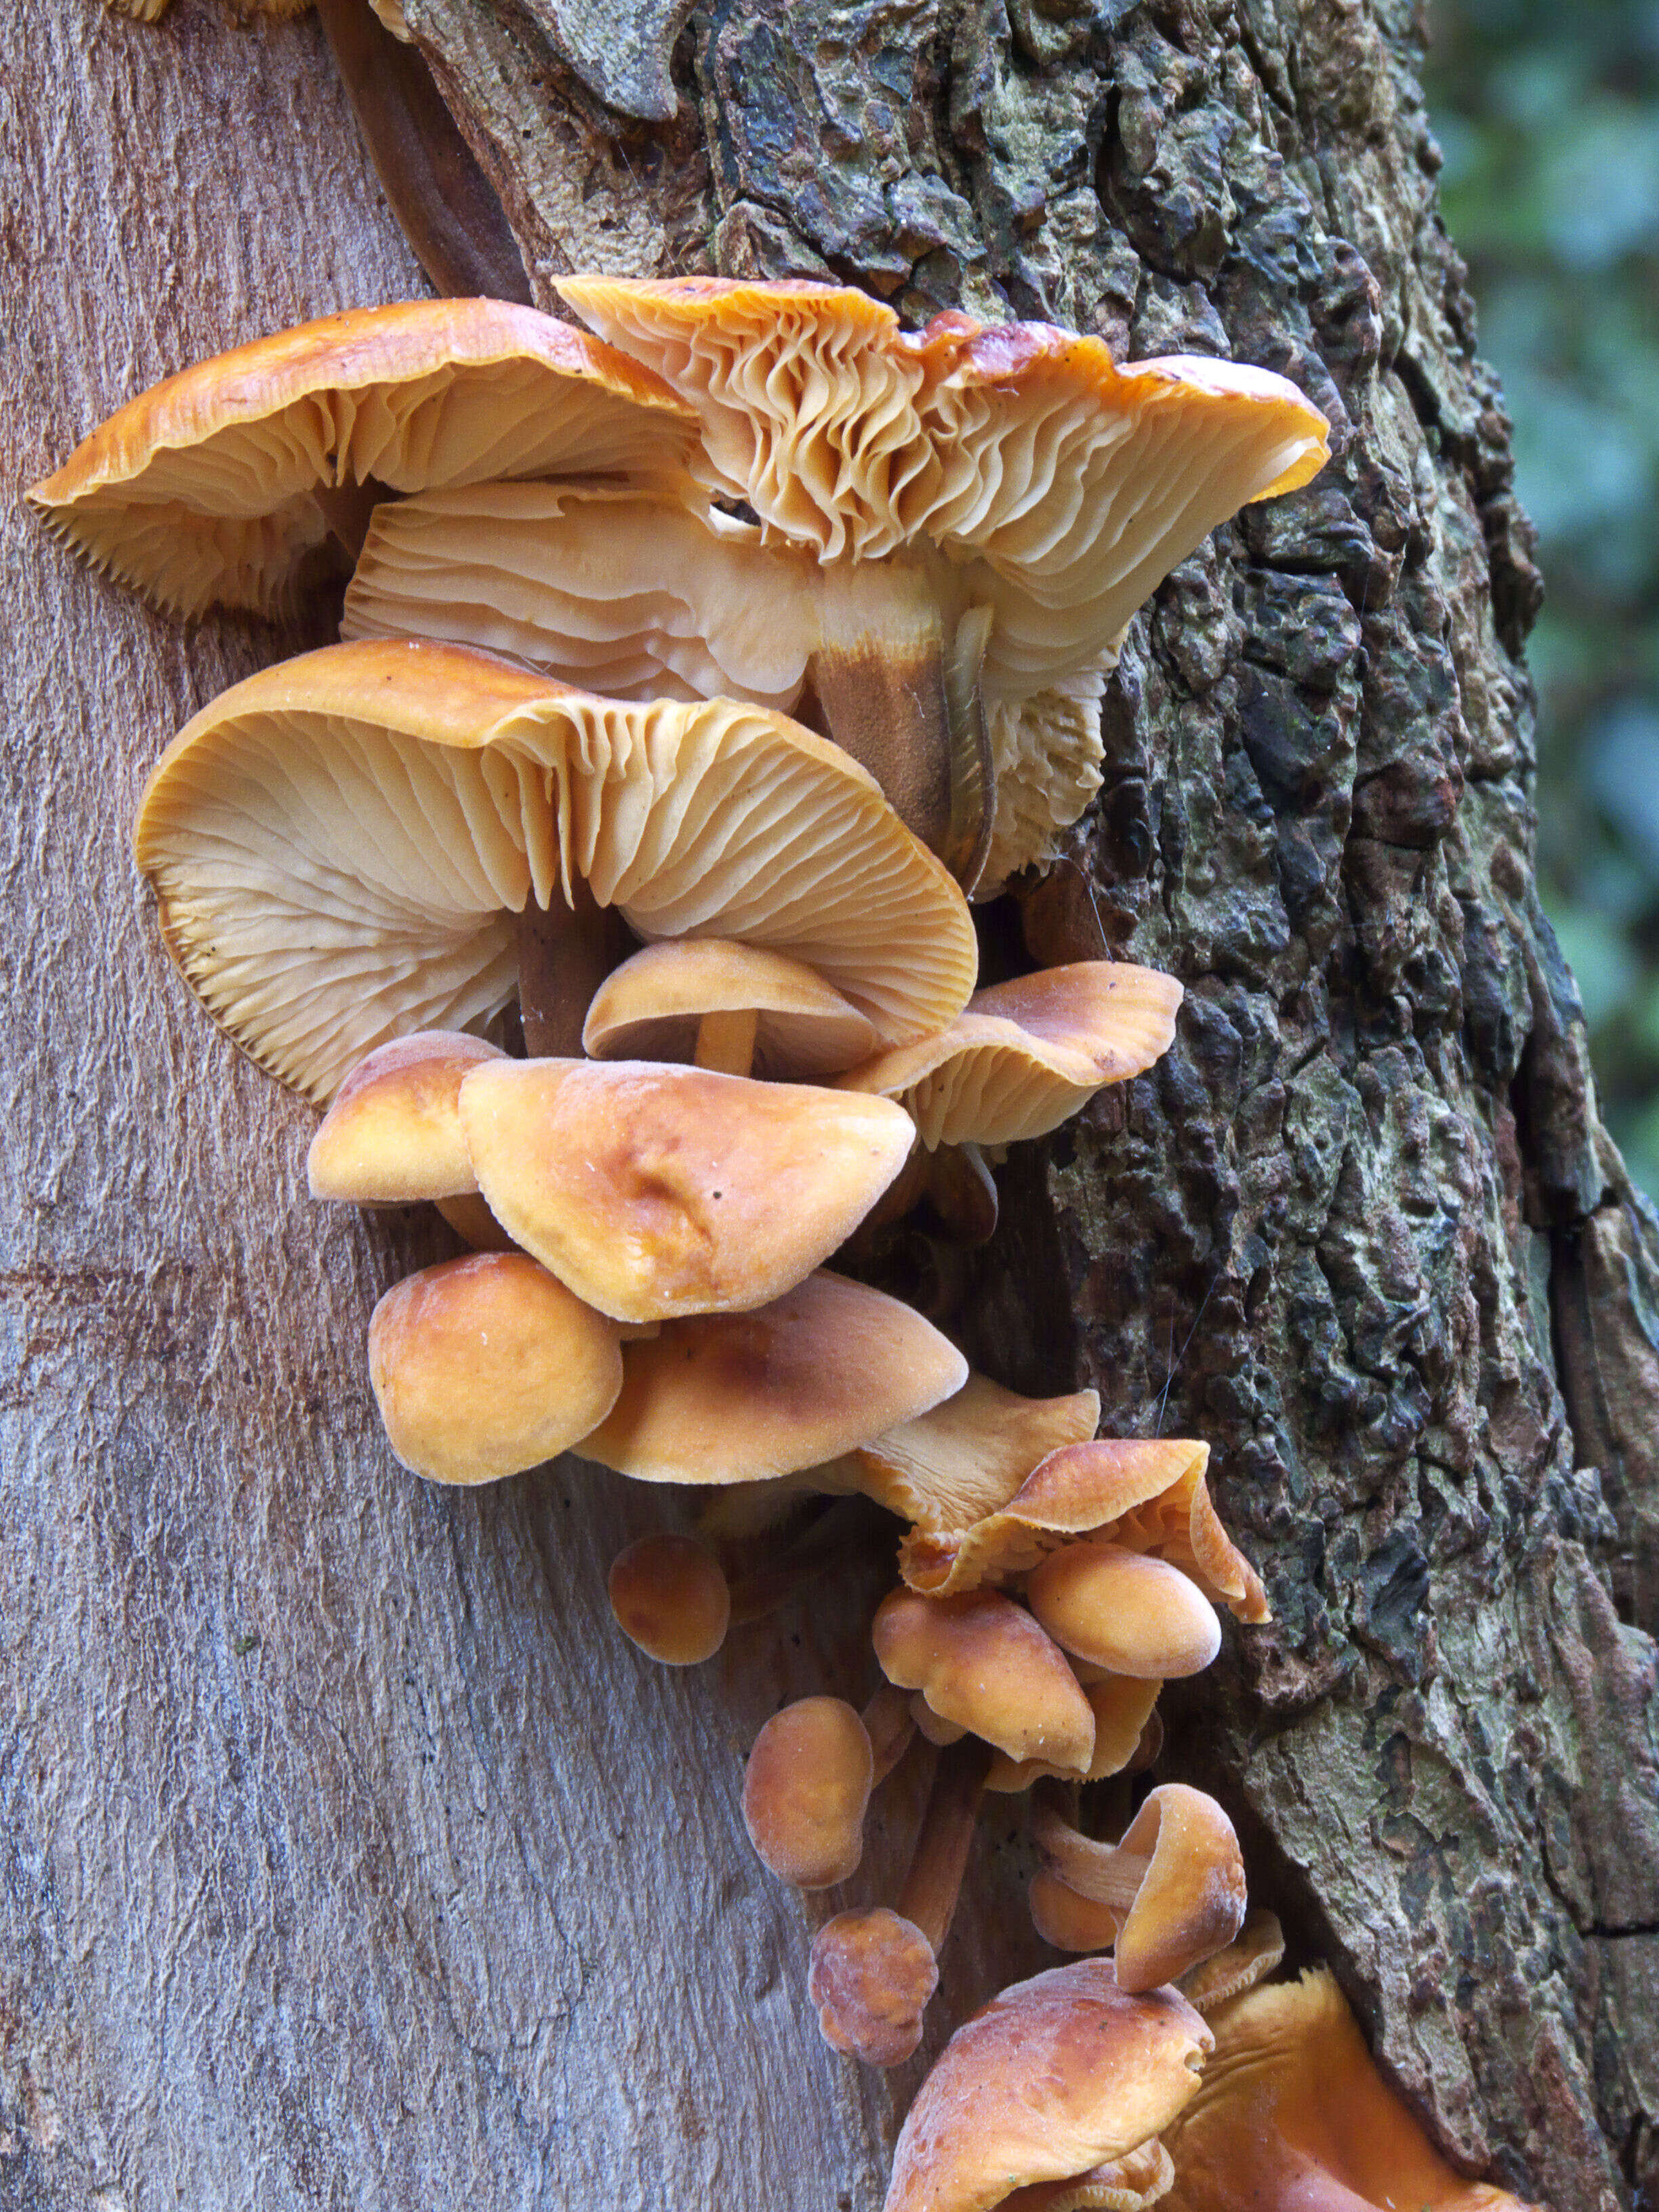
(1043, 491)
(340, 847)
(659, 1191)
(1060, 2087)
(1176, 1880)
(225, 485)
(748, 1397)
(484, 1366)
(1292, 2112)
(732, 1007)
(1026, 1056)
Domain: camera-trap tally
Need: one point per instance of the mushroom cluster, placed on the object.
(608, 885)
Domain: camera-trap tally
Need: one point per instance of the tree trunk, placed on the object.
(352, 1857)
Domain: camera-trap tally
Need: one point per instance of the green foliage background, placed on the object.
(1548, 112)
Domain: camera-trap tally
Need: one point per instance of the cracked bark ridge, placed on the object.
(1363, 1229)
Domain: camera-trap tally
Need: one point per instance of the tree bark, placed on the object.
(351, 1857)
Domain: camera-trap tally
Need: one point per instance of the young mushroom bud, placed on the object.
(670, 1597)
(1054, 2095)
(873, 1971)
(804, 1791)
(1176, 1880)
(1137, 1615)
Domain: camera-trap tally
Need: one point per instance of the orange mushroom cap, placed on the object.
(1143, 1497)
(212, 488)
(1124, 1610)
(1054, 2078)
(487, 1365)
(1024, 1056)
(1122, 1708)
(804, 1791)
(393, 1135)
(655, 1191)
(339, 847)
(981, 1661)
(654, 1005)
(1051, 488)
(872, 1976)
(1176, 1880)
(969, 1454)
(722, 1398)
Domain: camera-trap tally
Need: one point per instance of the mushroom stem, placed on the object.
(347, 508)
(928, 1899)
(1097, 1870)
(963, 1193)
(443, 203)
(565, 953)
(888, 1724)
(726, 1042)
(896, 693)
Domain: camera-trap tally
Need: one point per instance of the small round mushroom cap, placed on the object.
(981, 1661)
(1122, 1708)
(1055, 489)
(394, 1134)
(658, 1191)
(670, 1597)
(487, 1365)
(971, 1456)
(1055, 2077)
(1027, 1055)
(1143, 1496)
(339, 847)
(1177, 1878)
(1292, 2111)
(216, 486)
(804, 1791)
(653, 1006)
(723, 1398)
(872, 1976)
(1125, 1611)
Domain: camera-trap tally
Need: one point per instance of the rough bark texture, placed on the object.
(345, 1863)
